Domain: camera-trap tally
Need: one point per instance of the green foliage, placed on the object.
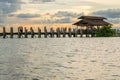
(105, 31)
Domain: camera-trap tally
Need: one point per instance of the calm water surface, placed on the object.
(60, 59)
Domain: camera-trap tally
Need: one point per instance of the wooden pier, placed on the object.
(59, 32)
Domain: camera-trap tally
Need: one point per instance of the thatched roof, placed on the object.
(91, 21)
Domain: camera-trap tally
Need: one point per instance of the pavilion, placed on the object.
(91, 22)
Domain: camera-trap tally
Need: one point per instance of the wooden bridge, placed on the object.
(59, 32)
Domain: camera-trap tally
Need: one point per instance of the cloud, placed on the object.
(47, 0)
(11, 15)
(49, 21)
(111, 2)
(113, 15)
(11, 1)
(66, 14)
(64, 17)
(58, 17)
(109, 13)
(27, 15)
(40, 1)
(7, 7)
(115, 21)
(64, 20)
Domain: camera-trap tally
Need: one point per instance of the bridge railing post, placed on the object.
(39, 33)
(69, 32)
(26, 33)
(4, 32)
(45, 31)
(11, 32)
(32, 32)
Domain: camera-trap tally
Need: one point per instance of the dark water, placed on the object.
(60, 59)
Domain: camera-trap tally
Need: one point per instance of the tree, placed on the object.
(105, 31)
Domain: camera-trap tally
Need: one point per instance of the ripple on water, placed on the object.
(60, 59)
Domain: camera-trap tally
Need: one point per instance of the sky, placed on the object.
(56, 12)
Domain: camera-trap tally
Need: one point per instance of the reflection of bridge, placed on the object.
(59, 32)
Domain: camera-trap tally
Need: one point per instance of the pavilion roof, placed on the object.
(91, 17)
(91, 21)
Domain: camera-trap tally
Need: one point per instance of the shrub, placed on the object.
(105, 31)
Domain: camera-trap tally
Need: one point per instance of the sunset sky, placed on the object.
(56, 12)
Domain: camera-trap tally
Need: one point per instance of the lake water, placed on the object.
(60, 59)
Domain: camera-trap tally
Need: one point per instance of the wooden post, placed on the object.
(58, 32)
(64, 31)
(51, 32)
(93, 32)
(32, 32)
(39, 33)
(4, 32)
(81, 33)
(19, 33)
(74, 32)
(11, 32)
(26, 33)
(45, 31)
(87, 35)
(69, 32)
(89, 32)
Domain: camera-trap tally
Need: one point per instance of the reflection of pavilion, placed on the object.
(91, 22)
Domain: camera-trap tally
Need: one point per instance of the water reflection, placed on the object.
(60, 59)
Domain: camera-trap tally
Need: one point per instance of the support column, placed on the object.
(4, 32)
(32, 32)
(45, 31)
(11, 32)
(69, 32)
(26, 33)
(39, 33)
